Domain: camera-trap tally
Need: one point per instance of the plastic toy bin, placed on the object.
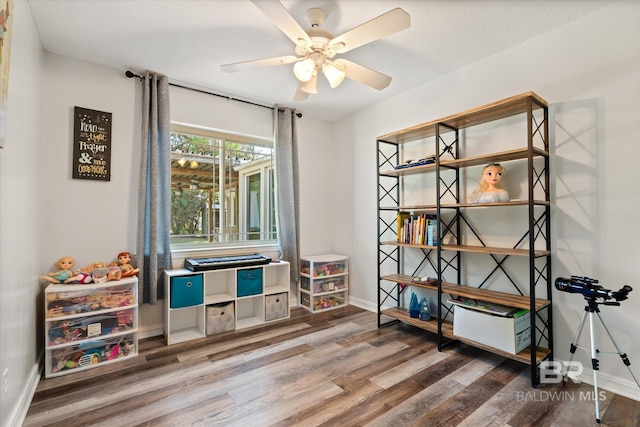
(83, 328)
(328, 285)
(91, 352)
(186, 291)
(89, 299)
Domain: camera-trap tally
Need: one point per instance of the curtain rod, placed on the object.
(131, 74)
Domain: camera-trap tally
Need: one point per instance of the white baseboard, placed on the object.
(150, 331)
(626, 388)
(19, 413)
(365, 305)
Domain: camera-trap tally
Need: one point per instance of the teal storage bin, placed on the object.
(249, 282)
(186, 291)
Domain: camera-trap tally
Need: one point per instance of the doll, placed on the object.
(65, 272)
(124, 258)
(489, 186)
(99, 272)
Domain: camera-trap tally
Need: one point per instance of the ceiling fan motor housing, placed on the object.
(315, 16)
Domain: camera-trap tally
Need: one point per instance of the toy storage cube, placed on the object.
(82, 328)
(86, 354)
(328, 284)
(221, 318)
(67, 300)
(324, 302)
(186, 291)
(249, 282)
(305, 283)
(276, 306)
(305, 300)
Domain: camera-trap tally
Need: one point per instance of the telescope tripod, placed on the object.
(592, 310)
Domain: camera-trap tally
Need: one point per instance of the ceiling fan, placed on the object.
(316, 47)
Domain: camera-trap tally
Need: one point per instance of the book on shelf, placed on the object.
(432, 233)
(414, 228)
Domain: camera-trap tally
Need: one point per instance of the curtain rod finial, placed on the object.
(131, 74)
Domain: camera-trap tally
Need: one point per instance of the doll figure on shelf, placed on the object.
(124, 258)
(489, 186)
(65, 272)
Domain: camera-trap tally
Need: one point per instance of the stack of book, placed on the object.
(418, 229)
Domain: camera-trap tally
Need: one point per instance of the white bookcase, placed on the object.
(242, 297)
(324, 282)
(89, 325)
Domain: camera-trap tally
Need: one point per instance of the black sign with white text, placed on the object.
(91, 144)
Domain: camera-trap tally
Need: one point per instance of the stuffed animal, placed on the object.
(82, 277)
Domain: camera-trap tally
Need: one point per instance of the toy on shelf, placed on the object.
(489, 186)
(124, 258)
(65, 273)
(101, 273)
(66, 303)
(91, 353)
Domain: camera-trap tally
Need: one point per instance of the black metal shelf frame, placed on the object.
(454, 226)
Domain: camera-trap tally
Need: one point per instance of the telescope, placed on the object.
(590, 289)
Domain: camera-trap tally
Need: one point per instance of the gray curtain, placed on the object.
(287, 189)
(154, 197)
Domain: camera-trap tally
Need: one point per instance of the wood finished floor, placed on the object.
(325, 369)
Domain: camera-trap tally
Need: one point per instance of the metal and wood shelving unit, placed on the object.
(398, 263)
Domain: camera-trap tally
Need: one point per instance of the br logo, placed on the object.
(553, 372)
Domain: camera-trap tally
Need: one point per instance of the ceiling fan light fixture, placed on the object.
(334, 75)
(312, 85)
(304, 69)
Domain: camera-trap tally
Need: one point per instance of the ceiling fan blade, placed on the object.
(300, 94)
(385, 24)
(363, 75)
(268, 62)
(283, 20)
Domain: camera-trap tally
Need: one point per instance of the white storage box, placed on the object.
(510, 334)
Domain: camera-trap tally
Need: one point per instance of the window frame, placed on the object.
(267, 199)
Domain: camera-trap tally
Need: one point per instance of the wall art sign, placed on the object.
(91, 144)
(6, 19)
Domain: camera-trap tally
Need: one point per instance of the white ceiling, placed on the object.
(188, 40)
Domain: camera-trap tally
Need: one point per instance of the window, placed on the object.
(222, 189)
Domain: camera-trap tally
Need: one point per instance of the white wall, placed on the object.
(105, 212)
(589, 72)
(21, 215)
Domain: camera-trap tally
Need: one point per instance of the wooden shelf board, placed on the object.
(489, 112)
(487, 295)
(414, 208)
(475, 249)
(502, 156)
(447, 331)
(403, 315)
